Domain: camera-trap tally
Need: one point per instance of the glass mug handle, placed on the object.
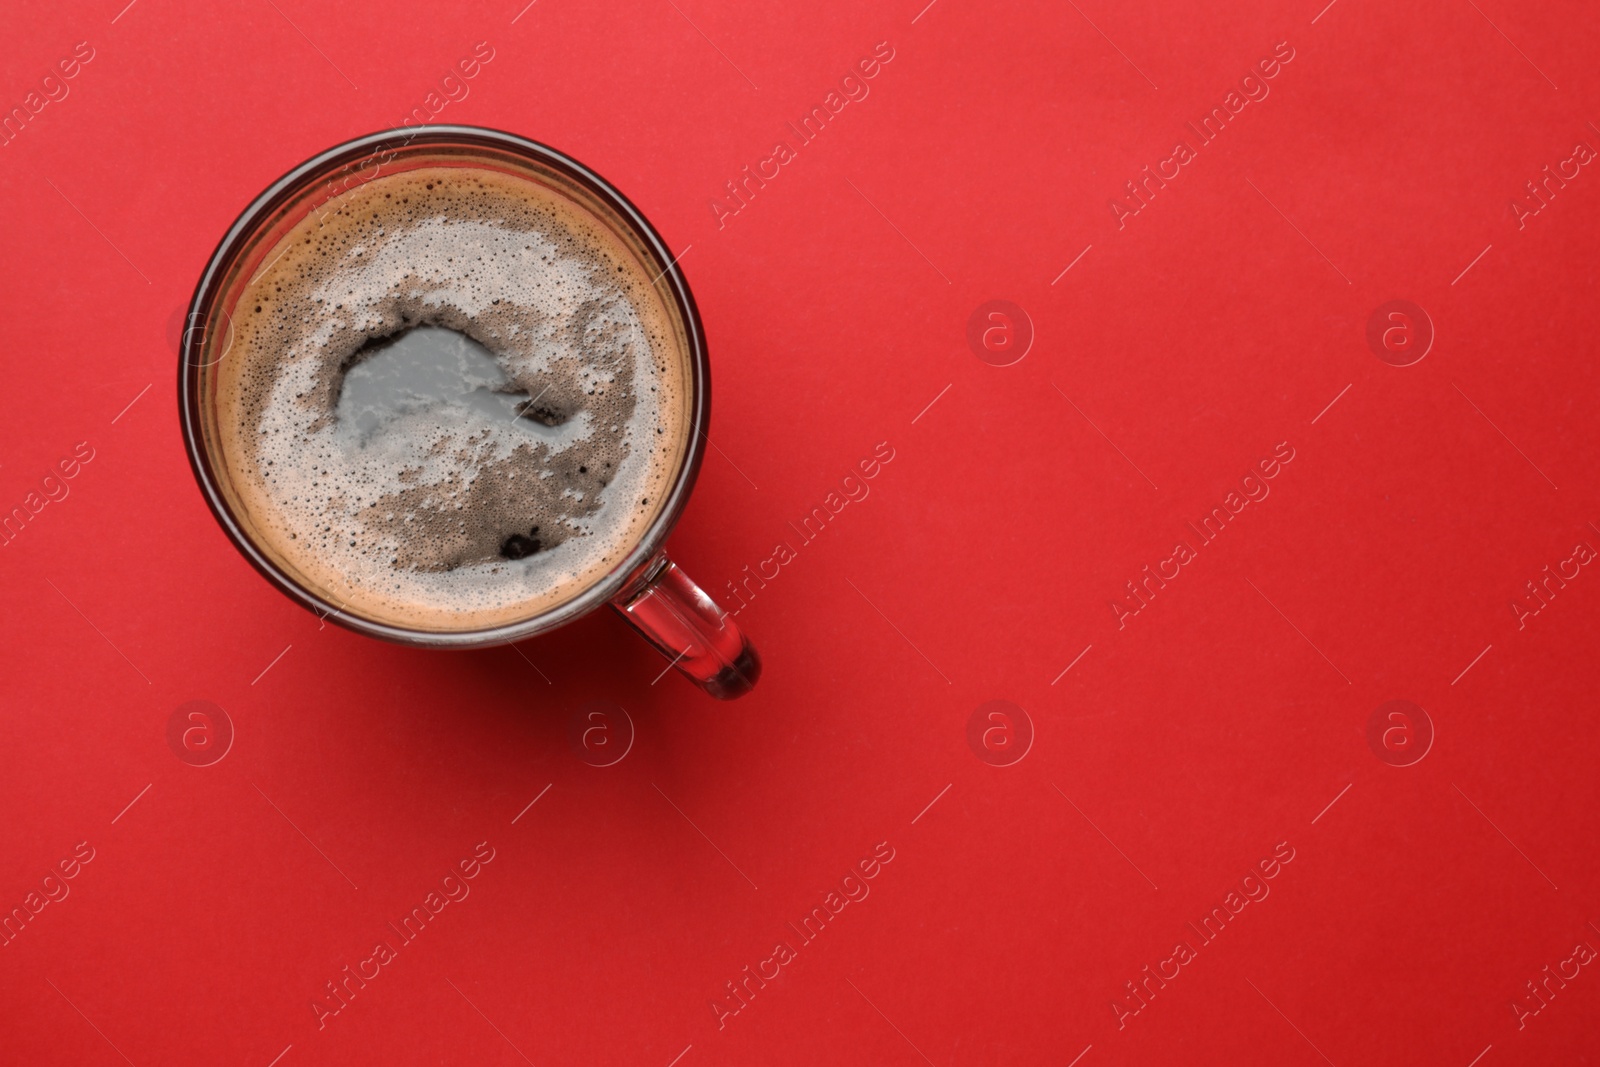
(690, 629)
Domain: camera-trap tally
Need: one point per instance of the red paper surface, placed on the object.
(1167, 755)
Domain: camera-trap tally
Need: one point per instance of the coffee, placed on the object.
(454, 399)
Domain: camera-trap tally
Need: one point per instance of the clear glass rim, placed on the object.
(629, 572)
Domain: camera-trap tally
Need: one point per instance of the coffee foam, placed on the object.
(403, 481)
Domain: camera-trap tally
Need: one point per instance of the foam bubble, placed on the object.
(454, 399)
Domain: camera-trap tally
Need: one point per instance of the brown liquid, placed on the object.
(447, 481)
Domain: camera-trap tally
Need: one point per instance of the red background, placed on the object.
(1218, 322)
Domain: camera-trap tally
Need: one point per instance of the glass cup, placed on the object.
(645, 587)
